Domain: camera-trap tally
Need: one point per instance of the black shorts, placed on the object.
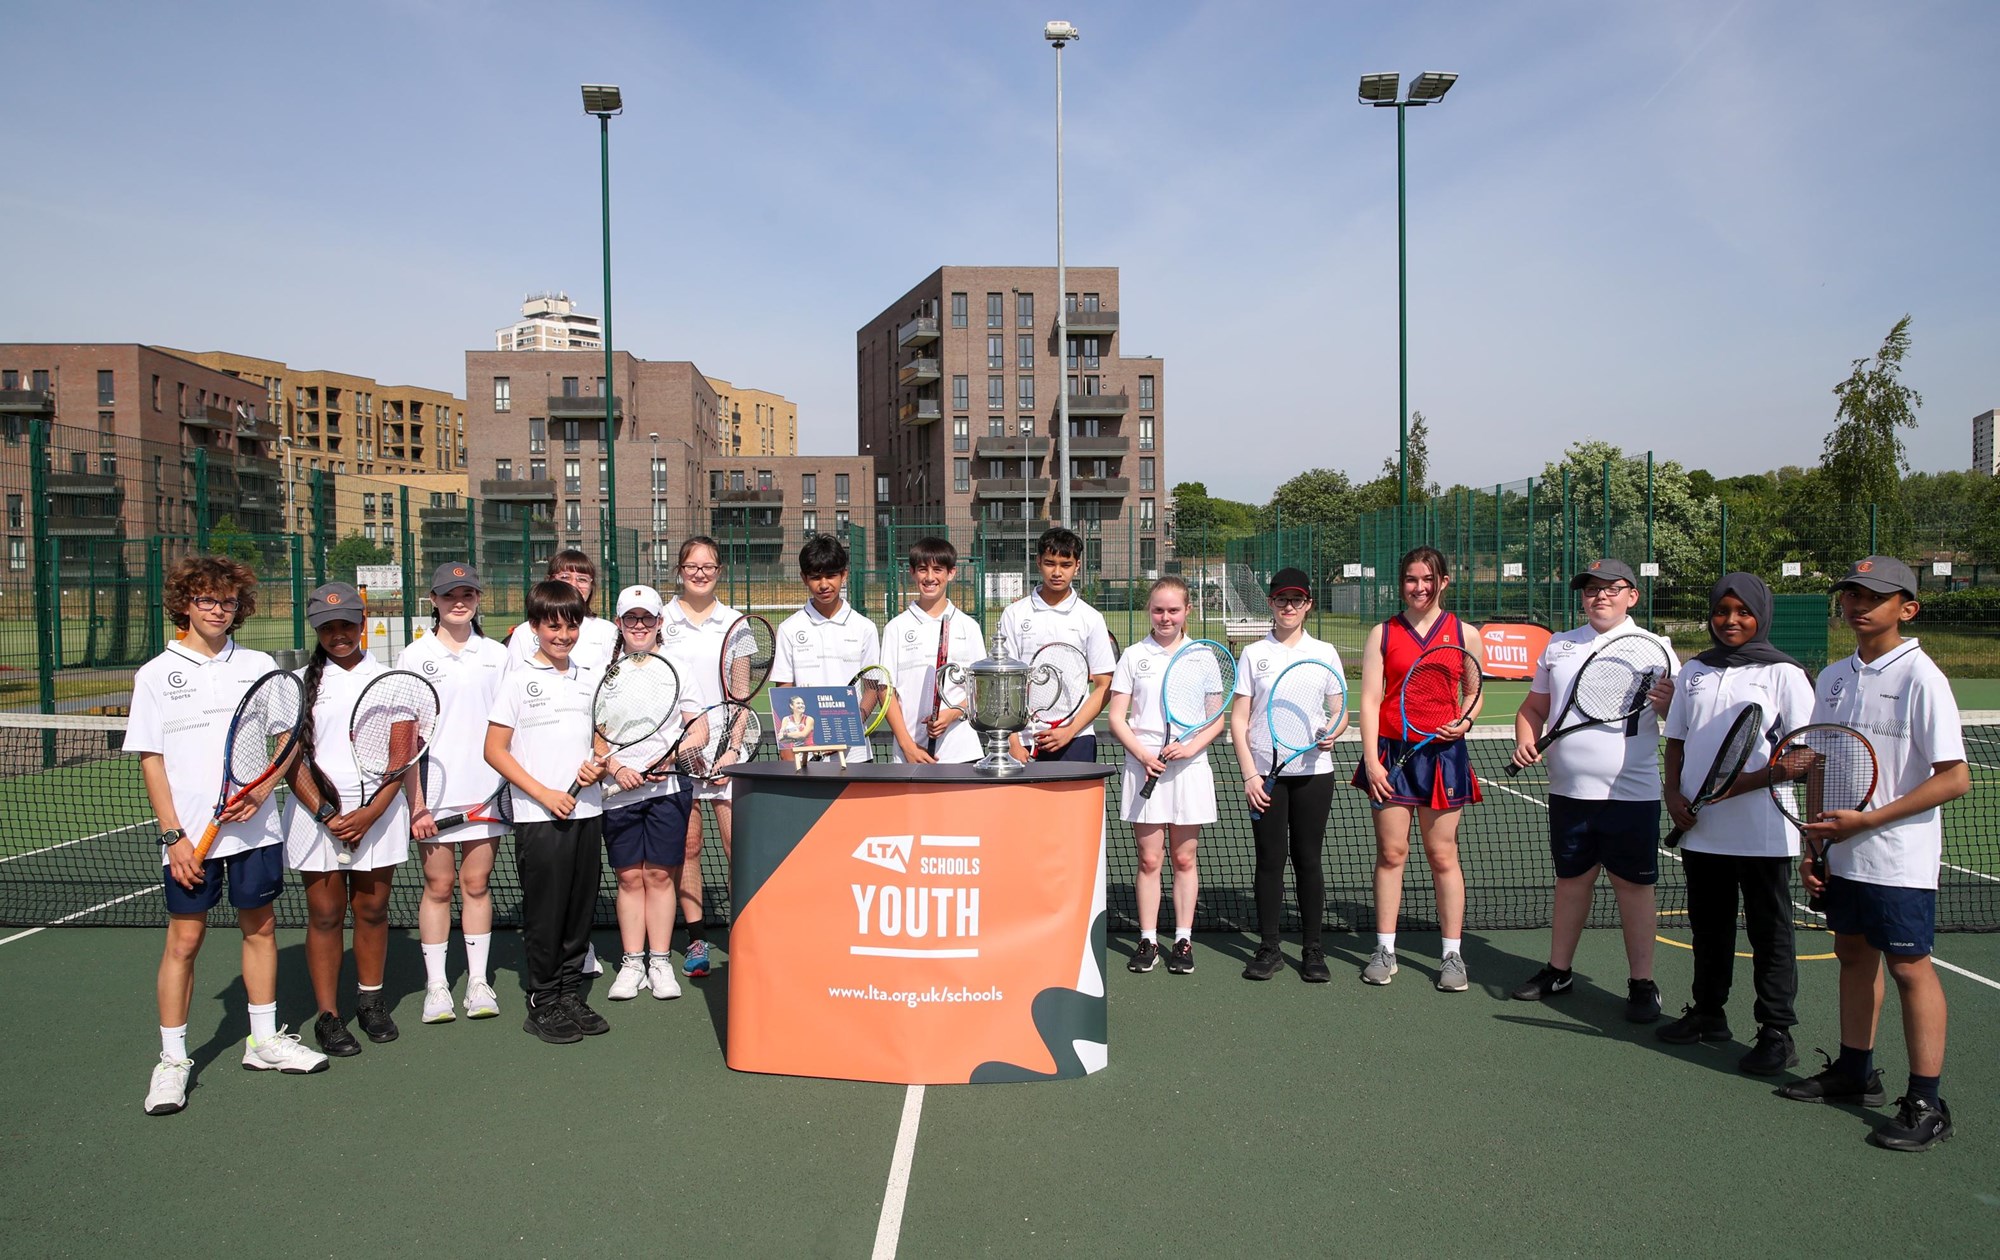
(255, 878)
(1621, 836)
(1893, 920)
(651, 833)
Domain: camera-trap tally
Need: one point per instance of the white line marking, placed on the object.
(18, 935)
(879, 951)
(64, 844)
(102, 905)
(1969, 975)
(1966, 870)
(889, 1226)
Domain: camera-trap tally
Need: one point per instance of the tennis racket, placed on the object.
(874, 692)
(718, 737)
(1611, 687)
(1743, 735)
(497, 808)
(1836, 764)
(634, 699)
(390, 728)
(749, 647)
(1058, 684)
(1197, 683)
(1306, 704)
(262, 736)
(937, 679)
(1442, 688)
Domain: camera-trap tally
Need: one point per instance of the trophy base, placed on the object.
(997, 761)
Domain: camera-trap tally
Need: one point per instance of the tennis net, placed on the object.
(77, 846)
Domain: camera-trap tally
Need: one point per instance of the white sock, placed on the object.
(1386, 940)
(663, 956)
(1451, 944)
(632, 960)
(434, 962)
(369, 988)
(1150, 936)
(174, 1042)
(263, 1021)
(476, 950)
(1182, 934)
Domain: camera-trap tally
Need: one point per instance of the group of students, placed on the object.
(522, 712)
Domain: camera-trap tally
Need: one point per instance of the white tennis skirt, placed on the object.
(310, 847)
(1185, 795)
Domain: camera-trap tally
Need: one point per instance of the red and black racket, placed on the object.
(937, 679)
(390, 728)
(497, 808)
(1058, 684)
(1836, 767)
(262, 737)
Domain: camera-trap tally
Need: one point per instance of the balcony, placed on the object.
(1091, 321)
(918, 332)
(511, 491)
(260, 430)
(1099, 404)
(919, 372)
(582, 407)
(82, 483)
(922, 411)
(1009, 447)
(27, 402)
(1009, 488)
(1099, 487)
(69, 525)
(1099, 445)
(751, 495)
(209, 418)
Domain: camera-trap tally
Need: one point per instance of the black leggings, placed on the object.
(1765, 883)
(1295, 823)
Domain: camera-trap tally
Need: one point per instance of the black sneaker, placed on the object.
(1642, 1001)
(1693, 1026)
(1773, 1053)
(1830, 1084)
(1545, 984)
(1145, 956)
(549, 1019)
(372, 1013)
(1918, 1126)
(1267, 962)
(1180, 959)
(330, 1031)
(1312, 965)
(587, 1021)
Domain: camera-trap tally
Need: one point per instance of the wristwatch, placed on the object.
(168, 839)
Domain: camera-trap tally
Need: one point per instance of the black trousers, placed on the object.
(1714, 881)
(559, 864)
(1294, 825)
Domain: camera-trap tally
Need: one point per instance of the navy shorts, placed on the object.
(1083, 748)
(1621, 836)
(1438, 777)
(255, 878)
(1893, 920)
(652, 833)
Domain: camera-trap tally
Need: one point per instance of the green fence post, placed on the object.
(1528, 561)
(1607, 507)
(1725, 541)
(409, 566)
(1873, 547)
(48, 607)
(321, 526)
(298, 591)
(1649, 540)
(201, 499)
(1568, 565)
(471, 532)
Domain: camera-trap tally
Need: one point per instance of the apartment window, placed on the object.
(367, 505)
(601, 391)
(996, 352)
(1024, 310)
(10, 378)
(809, 487)
(996, 393)
(717, 482)
(503, 470)
(570, 387)
(840, 481)
(1090, 301)
(961, 392)
(995, 311)
(1145, 393)
(572, 435)
(1024, 352)
(961, 433)
(16, 513)
(503, 394)
(573, 516)
(1149, 552)
(1145, 514)
(961, 475)
(882, 489)
(659, 470)
(958, 305)
(538, 470)
(996, 426)
(809, 522)
(1145, 430)
(156, 393)
(572, 476)
(996, 468)
(763, 479)
(736, 479)
(661, 520)
(106, 394)
(603, 475)
(1024, 393)
(538, 437)
(388, 507)
(840, 522)
(180, 397)
(1146, 473)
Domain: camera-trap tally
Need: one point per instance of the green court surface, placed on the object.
(1234, 1118)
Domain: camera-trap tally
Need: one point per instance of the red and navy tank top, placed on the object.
(1401, 646)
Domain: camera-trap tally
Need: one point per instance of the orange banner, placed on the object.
(918, 933)
(1511, 648)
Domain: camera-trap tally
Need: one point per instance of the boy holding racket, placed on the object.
(1881, 894)
(917, 645)
(199, 680)
(538, 737)
(826, 642)
(1055, 613)
(1604, 794)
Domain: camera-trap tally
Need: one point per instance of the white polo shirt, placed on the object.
(182, 703)
(1904, 706)
(1139, 674)
(308, 846)
(816, 651)
(1262, 662)
(695, 648)
(641, 755)
(1028, 625)
(1706, 702)
(1600, 763)
(909, 652)
(548, 709)
(596, 643)
(456, 776)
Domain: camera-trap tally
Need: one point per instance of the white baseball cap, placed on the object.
(640, 599)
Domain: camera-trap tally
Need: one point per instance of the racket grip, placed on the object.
(1673, 840)
(449, 821)
(1513, 771)
(1146, 793)
(207, 841)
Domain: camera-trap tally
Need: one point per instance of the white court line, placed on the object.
(1969, 975)
(64, 844)
(889, 1226)
(102, 905)
(1966, 870)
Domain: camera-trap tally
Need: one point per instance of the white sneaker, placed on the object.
(479, 1000)
(660, 977)
(169, 1090)
(438, 1008)
(631, 979)
(282, 1053)
(591, 967)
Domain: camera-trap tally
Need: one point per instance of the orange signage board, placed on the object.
(918, 933)
(1511, 648)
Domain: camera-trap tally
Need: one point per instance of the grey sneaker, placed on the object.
(1381, 966)
(1451, 975)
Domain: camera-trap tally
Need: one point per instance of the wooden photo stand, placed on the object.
(804, 752)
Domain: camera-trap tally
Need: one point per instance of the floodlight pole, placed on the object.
(1058, 34)
(604, 101)
(1402, 341)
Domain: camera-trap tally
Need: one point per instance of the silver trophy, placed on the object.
(997, 688)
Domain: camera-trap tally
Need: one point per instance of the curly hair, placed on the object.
(216, 576)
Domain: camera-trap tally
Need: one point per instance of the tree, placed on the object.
(350, 553)
(1864, 456)
(1684, 527)
(1419, 446)
(1202, 521)
(1318, 496)
(227, 538)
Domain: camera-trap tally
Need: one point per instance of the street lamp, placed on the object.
(1379, 90)
(1058, 34)
(602, 100)
(653, 495)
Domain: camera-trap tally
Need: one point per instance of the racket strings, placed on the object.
(267, 727)
(1058, 682)
(1613, 683)
(1439, 689)
(747, 654)
(392, 723)
(1197, 685)
(635, 699)
(1301, 707)
(1735, 751)
(1834, 767)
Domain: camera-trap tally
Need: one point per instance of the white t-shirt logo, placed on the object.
(1263, 664)
(430, 667)
(534, 689)
(177, 680)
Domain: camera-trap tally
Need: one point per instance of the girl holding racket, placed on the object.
(692, 626)
(330, 810)
(465, 667)
(1183, 798)
(1289, 792)
(1414, 760)
(1737, 844)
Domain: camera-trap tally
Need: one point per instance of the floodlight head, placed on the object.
(603, 99)
(1431, 86)
(1060, 33)
(1379, 89)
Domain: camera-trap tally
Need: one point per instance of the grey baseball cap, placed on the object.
(1605, 570)
(1881, 574)
(455, 573)
(336, 601)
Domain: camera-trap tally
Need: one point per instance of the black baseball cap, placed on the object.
(336, 601)
(1290, 579)
(1605, 570)
(1881, 574)
(453, 574)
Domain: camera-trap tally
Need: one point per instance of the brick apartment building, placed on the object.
(763, 508)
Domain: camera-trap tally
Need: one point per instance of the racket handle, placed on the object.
(207, 841)
(1146, 793)
(1673, 840)
(1815, 901)
(1256, 814)
(449, 821)
(1513, 771)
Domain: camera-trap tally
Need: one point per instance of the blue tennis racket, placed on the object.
(1197, 684)
(1307, 703)
(1441, 690)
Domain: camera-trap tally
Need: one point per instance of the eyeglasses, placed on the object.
(700, 570)
(1603, 592)
(574, 577)
(1289, 601)
(209, 603)
(639, 620)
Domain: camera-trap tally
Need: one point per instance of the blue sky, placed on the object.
(1665, 225)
